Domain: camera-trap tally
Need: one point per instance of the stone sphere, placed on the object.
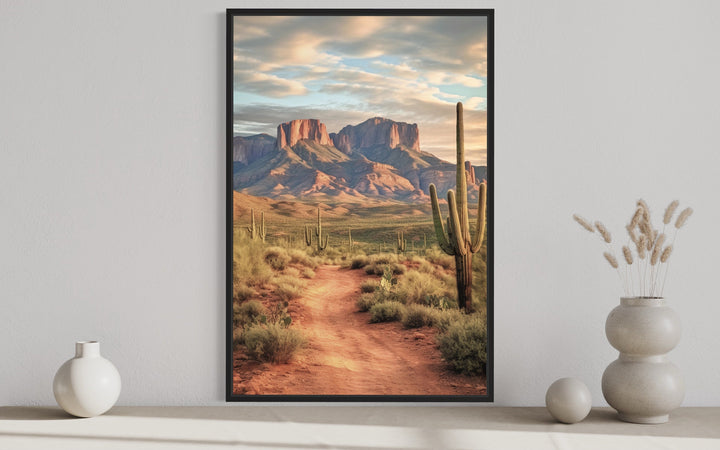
(568, 400)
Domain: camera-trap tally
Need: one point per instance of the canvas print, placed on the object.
(359, 205)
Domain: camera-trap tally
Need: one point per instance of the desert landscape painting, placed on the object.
(359, 236)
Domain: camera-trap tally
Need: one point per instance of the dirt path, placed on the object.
(347, 355)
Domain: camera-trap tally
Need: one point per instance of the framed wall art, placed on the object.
(359, 205)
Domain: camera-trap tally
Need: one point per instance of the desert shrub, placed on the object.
(248, 312)
(384, 258)
(398, 269)
(414, 287)
(374, 269)
(417, 316)
(359, 262)
(369, 286)
(377, 268)
(464, 345)
(291, 272)
(365, 302)
(277, 258)
(309, 273)
(386, 312)
(288, 287)
(426, 267)
(441, 302)
(301, 258)
(445, 319)
(238, 338)
(436, 256)
(249, 267)
(242, 292)
(272, 342)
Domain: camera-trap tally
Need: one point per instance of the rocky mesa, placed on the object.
(290, 133)
(377, 131)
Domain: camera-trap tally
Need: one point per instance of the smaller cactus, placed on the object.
(251, 229)
(401, 242)
(262, 232)
(308, 236)
(255, 231)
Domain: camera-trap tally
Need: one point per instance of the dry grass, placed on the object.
(647, 278)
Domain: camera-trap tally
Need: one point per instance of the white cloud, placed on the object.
(288, 57)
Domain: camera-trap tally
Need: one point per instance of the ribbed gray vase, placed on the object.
(642, 385)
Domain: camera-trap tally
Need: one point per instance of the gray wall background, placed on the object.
(112, 196)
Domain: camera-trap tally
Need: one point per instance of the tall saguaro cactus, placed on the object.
(457, 241)
(318, 234)
(254, 230)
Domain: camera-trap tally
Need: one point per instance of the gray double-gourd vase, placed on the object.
(642, 385)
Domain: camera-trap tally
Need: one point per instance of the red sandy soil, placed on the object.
(346, 355)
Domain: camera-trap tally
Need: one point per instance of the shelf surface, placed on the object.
(349, 427)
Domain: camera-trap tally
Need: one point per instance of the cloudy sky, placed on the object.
(344, 70)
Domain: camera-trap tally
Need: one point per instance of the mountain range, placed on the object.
(376, 159)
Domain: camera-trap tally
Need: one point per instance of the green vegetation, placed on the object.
(386, 312)
(417, 316)
(464, 345)
(366, 301)
(248, 313)
(425, 296)
(272, 342)
(288, 287)
(457, 241)
(272, 274)
(277, 258)
(369, 286)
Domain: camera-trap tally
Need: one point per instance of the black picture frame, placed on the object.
(488, 14)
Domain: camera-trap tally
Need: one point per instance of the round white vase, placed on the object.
(642, 385)
(88, 384)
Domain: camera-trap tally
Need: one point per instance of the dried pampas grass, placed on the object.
(627, 253)
(657, 250)
(683, 217)
(611, 259)
(652, 259)
(666, 253)
(583, 223)
(604, 233)
(669, 211)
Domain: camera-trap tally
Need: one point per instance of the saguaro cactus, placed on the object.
(308, 236)
(318, 234)
(350, 239)
(255, 231)
(457, 241)
(262, 232)
(401, 242)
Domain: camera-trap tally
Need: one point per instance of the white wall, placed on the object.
(112, 171)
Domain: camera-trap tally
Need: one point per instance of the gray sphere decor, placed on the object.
(568, 400)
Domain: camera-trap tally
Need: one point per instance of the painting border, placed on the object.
(489, 14)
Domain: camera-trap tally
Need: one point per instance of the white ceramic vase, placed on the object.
(88, 384)
(642, 385)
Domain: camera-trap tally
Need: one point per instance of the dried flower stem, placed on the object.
(651, 259)
(583, 223)
(669, 211)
